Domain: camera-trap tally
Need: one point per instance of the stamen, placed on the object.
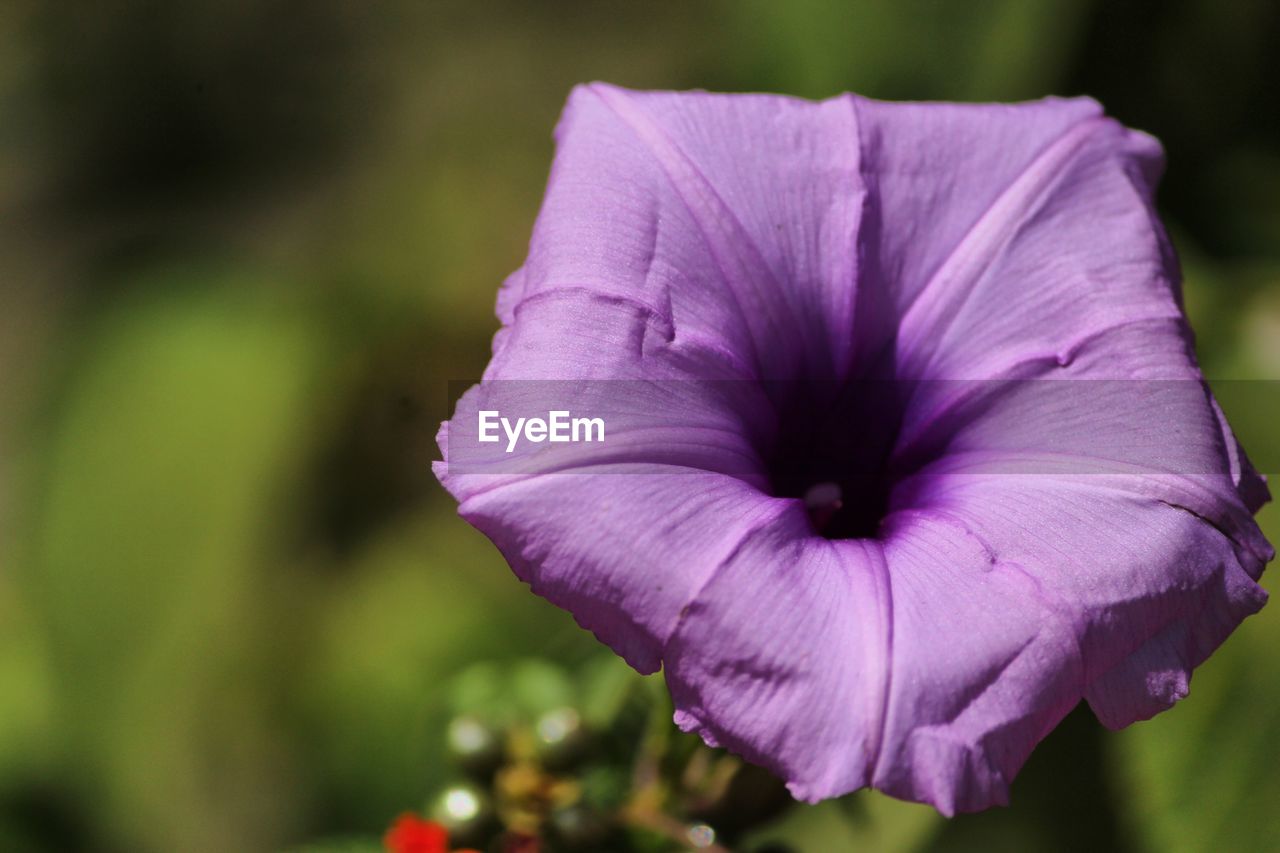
(823, 501)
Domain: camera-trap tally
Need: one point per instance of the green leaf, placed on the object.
(182, 423)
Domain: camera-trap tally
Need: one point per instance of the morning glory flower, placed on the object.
(905, 451)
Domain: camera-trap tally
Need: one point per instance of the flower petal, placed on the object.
(912, 664)
(1135, 586)
(594, 355)
(949, 183)
(622, 533)
(983, 668)
(624, 549)
(929, 665)
(783, 655)
(736, 217)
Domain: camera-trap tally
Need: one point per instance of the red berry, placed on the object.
(412, 834)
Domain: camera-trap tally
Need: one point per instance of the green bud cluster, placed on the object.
(546, 761)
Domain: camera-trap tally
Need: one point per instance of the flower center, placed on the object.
(831, 449)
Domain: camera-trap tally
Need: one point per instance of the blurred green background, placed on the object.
(244, 246)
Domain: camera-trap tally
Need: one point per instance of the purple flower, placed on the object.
(842, 503)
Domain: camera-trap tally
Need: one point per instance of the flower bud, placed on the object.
(475, 746)
(562, 740)
(466, 811)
